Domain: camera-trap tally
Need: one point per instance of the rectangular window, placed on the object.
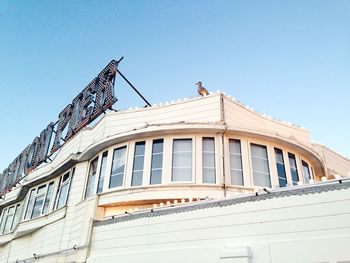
(90, 185)
(157, 162)
(281, 171)
(3, 218)
(16, 217)
(260, 163)
(48, 198)
(29, 208)
(182, 160)
(293, 168)
(118, 167)
(139, 158)
(39, 201)
(9, 219)
(101, 176)
(63, 189)
(306, 171)
(236, 169)
(208, 160)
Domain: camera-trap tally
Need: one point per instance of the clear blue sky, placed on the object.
(287, 59)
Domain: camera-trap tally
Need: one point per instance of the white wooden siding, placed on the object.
(272, 229)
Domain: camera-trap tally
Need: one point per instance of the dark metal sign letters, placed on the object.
(95, 99)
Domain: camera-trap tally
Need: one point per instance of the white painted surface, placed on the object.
(307, 228)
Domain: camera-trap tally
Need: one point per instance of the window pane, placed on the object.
(62, 196)
(48, 198)
(118, 167)
(66, 178)
(16, 217)
(138, 163)
(3, 220)
(41, 189)
(139, 148)
(8, 223)
(279, 156)
(208, 160)
(8, 219)
(282, 179)
(182, 160)
(236, 169)
(208, 144)
(236, 177)
(137, 170)
(236, 162)
(258, 151)
(293, 168)
(90, 185)
(182, 174)
(209, 175)
(262, 179)
(182, 145)
(260, 163)
(235, 146)
(137, 178)
(102, 172)
(157, 146)
(156, 176)
(157, 162)
(30, 204)
(116, 180)
(306, 171)
(38, 205)
(281, 175)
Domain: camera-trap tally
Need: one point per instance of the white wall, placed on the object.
(302, 228)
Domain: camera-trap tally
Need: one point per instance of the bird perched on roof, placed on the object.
(201, 90)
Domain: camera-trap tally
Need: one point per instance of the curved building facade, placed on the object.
(140, 182)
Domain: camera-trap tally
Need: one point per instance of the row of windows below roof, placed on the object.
(111, 168)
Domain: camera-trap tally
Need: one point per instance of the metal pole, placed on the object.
(132, 86)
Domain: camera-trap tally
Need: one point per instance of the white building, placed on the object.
(200, 180)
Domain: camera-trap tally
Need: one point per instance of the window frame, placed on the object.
(172, 139)
(34, 197)
(4, 217)
(95, 181)
(284, 167)
(214, 152)
(242, 161)
(268, 160)
(143, 177)
(297, 167)
(311, 176)
(101, 161)
(110, 167)
(60, 186)
(149, 181)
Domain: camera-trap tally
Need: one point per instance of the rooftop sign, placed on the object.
(92, 101)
